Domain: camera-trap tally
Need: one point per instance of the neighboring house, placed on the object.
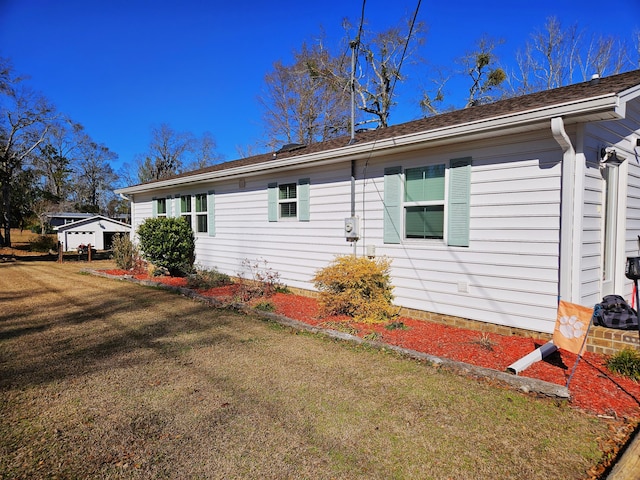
(65, 218)
(98, 231)
(490, 213)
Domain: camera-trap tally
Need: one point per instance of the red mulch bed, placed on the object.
(593, 387)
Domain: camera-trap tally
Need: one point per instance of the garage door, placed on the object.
(74, 239)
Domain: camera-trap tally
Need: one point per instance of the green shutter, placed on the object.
(211, 212)
(392, 216)
(272, 197)
(169, 206)
(177, 208)
(154, 207)
(459, 199)
(303, 199)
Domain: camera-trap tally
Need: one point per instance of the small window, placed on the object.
(287, 200)
(201, 213)
(185, 204)
(185, 209)
(161, 207)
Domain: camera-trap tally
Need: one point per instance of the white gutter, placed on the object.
(356, 151)
(566, 209)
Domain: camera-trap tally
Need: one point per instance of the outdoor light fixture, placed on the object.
(609, 157)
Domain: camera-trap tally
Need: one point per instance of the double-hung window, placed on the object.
(201, 213)
(185, 208)
(161, 207)
(424, 202)
(289, 201)
(430, 202)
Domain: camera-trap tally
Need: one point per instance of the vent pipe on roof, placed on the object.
(595, 79)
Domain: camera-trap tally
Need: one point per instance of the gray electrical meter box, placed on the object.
(352, 228)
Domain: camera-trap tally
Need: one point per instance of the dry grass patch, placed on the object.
(102, 378)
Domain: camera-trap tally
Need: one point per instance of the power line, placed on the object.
(406, 45)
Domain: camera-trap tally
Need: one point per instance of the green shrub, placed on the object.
(204, 279)
(168, 243)
(626, 362)
(43, 243)
(125, 254)
(356, 286)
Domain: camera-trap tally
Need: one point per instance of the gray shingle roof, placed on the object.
(614, 84)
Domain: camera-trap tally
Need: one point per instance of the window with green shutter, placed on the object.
(289, 201)
(428, 202)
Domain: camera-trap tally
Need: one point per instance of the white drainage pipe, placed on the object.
(538, 354)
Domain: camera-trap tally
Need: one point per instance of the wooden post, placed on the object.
(59, 252)
(89, 253)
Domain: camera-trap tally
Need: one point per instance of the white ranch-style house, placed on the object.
(491, 213)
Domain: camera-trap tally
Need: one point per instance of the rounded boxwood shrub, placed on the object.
(168, 243)
(356, 286)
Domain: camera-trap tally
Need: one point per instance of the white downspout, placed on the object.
(566, 209)
(131, 209)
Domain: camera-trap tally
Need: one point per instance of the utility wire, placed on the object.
(364, 2)
(404, 52)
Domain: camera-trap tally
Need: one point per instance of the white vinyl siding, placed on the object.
(502, 268)
(507, 275)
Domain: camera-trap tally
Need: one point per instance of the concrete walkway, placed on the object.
(628, 466)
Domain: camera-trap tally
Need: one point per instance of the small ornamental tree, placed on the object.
(125, 252)
(358, 287)
(168, 243)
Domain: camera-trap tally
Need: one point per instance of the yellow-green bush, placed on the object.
(356, 286)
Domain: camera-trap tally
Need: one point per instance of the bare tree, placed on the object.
(307, 101)
(432, 98)
(485, 76)
(167, 153)
(550, 58)
(204, 152)
(25, 119)
(170, 153)
(95, 177)
(604, 55)
(382, 58)
(55, 157)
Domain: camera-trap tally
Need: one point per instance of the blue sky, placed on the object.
(120, 67)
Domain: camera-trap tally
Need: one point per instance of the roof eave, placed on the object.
(596, 108)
